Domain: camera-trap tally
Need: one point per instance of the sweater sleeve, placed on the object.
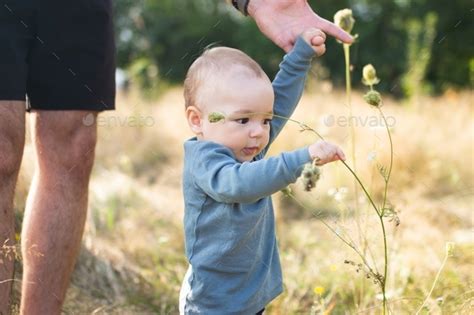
(289, 84)
(216, 172)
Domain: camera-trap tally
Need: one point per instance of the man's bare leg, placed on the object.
(12, 140)
(56, 207)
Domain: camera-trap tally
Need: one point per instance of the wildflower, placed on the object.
(319, 290)
(338, 196)
(372, 156)
(369, 75)
(125, 162)
(338, 193)
(215, 117)
(450, 249)
(342, 192)
(343, 19)
(373, 98)
(311, 175)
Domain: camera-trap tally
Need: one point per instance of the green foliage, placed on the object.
(170, 34)
(420, 41)
(471, 71)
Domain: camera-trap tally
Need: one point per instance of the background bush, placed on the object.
(158, 40)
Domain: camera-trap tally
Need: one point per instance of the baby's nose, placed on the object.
(257, 131)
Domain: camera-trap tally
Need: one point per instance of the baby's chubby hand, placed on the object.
(325, 152)
(315, 38)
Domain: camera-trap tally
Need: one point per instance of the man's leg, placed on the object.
(56, 207)
(12, 140)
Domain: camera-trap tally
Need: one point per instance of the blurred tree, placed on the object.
(168, 35)
(420, 43)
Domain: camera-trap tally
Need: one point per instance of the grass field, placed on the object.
(133, 261)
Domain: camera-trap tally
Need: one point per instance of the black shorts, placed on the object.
(59, 53)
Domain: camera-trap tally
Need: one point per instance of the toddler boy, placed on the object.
(233, 108)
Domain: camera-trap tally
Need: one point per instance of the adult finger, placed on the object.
(333, 30)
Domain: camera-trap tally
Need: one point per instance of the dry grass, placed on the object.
(133, 257)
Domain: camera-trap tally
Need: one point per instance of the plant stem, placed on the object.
(353, 150)
(349, 104)
(379, 212)
(348, 99)
(351, 244)
(391, 161)
(382, 209)
(385, 249)
(362, 186)
(434, 283)
(306, 127)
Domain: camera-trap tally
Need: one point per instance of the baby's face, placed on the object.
(247, 104)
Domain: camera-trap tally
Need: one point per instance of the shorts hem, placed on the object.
(89, 106)
(12, 97)
(92, 109)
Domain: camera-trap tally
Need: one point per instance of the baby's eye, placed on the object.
(242, 120)
(267, 121)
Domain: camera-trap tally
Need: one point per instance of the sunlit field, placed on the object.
(133, 261)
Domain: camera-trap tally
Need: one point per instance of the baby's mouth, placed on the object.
(249, 151)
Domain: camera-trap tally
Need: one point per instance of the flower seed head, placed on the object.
(343, 19)
(310, 175)
(369, 75)
(450, 249)
(373, 98)
(215, 117)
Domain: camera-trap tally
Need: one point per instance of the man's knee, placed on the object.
(65, 144)
(76, 156)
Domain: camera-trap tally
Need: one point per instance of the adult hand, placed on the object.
(282, 21)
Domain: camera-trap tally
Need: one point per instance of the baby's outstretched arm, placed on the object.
(216, 172)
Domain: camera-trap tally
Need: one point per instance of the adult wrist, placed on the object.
(252, 7)
(242, 6)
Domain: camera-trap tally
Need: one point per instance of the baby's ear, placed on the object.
(194, 117)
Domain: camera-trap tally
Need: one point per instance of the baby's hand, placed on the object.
(325, 152)
(315, 38)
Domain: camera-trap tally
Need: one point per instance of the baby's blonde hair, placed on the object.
(214, 62)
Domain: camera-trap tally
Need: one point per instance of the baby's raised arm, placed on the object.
(289, 82)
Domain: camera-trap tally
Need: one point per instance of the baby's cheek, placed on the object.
(268, 137)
